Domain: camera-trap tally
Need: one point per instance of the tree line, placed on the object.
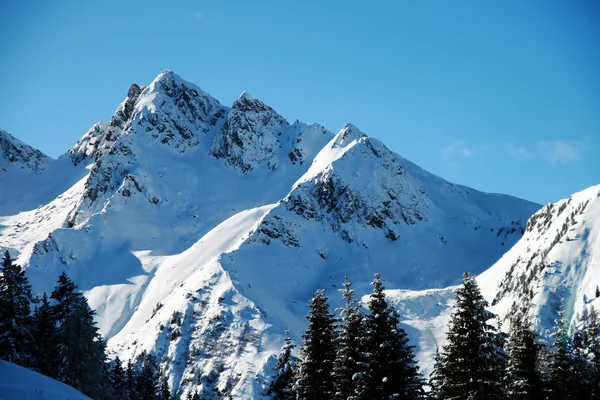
(366, 356)
(354, 355)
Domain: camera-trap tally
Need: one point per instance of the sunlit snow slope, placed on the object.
(555, 265)
(199, 231)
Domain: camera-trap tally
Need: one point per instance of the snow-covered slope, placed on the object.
(555, 265)
(18, 383)
(199, 231)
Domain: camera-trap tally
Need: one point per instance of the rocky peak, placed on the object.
(250, 136)
(246, 103)
(348, 133)
(14, 153)
(175, 107)
(102, 136)
(125, 111)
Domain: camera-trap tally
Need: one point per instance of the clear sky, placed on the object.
(502, 96)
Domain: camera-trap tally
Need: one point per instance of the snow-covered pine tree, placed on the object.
(80, 356)
(164, 392)
(585, 346)
(281, 387)
(314, 380)
(522, 377)
(593, 352)
(437, 378)
(561, 385)
(472, 363)
(391, 371)
(16, 340)
(44, 337)
(349, 360)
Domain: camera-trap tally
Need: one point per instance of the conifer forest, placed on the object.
(356, 352)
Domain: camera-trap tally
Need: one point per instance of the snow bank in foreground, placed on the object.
(18, 383)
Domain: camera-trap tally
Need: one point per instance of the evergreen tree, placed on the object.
(472, 363)
(80, 352)
(437, 381)
(349, 360)
(593, 352)
(314, 375)
(118, 380)
(561, 372)
(523, 378)
(44, 337)
(147, 381)
(131, 378)
(16, 340)
(164, 392)
(281, 387)
(391, 371)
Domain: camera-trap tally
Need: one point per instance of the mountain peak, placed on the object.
(246, 96)
(166, 75)
(349, 133)
(246, 102)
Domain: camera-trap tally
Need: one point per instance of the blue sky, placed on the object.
(502, 96)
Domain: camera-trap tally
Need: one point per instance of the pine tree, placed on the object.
(472, 363)
(349, 360)
(16, 340)
(585, 355)
(597, 291)
(523, 378)
(391, 370)
(44, 337)
(80, 355)
(281, 387)
(437, 381)
(131, 378)
(118, 380)
(164, 392)
(562, 384)
(147, 381)
(593, 352)
(314, 379)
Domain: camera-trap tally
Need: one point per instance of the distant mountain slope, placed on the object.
(17, 155)
(29, 178)
(556, 264)
(229, 218)
(18, 383)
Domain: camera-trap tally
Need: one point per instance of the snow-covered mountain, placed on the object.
(555, 265)
(198, 231)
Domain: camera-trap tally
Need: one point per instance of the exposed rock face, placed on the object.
(16, 154)
(250, 136)
(102, 136)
